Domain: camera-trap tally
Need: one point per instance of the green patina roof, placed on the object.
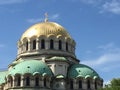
(80, 70)
(2, 76)
(31, 66)
(58, 58)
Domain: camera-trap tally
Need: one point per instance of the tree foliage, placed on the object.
(114, 85)
(115, 82)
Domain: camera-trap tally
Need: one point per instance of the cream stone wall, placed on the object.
(22, 46)
(58, 68)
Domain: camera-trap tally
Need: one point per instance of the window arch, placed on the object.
(95, 84)
(60, 44)
(71, 84)
(27, 81)
(34, 44)
(44, 82)
(80, 83)
(11, 81)
(66, 46)
(18, 80)
(42, 44)
(51, 44)
(27, 46)
(36, 81)
(88, 84)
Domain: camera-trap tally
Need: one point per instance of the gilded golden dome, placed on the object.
(45, 29)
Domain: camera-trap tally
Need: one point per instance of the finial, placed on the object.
(46, 17)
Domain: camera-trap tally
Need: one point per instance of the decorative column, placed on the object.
(32, 82)
(41, 81)
(14, 82)
(92, 84)
(84, 84)
(37, 44)
(63, 46)
(29, 45)
(47, 45)
(56, 45)
(22, 81)
(75, 84)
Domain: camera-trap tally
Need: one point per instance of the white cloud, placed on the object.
(55, 16)
(3, 2)
(113, 7)
(105, 58)
(52, 17)
(103, 6)
(107, 82)
(108, 60)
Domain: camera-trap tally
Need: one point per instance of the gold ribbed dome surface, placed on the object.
(45, 29)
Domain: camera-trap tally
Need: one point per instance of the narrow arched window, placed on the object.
(71, 84)
(80, 83)
(42, 44)
(88, 84)
(95, 84)
(36, 81)
(60, 44)
(51, 44)
(66, 46)
(34, 44)
(11, 81)
(26, 45)
(27, 81)
(18, 81)
(44, 82)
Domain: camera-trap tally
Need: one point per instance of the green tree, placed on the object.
(115, 82)
(114, 85)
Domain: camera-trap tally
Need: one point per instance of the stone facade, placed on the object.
(55, 48)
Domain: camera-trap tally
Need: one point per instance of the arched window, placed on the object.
(88, 84)
(18, 81)
(34, 44)
(11, 81)
(27, 81)
(95, 84)
(51, 44)
(71, 84)
(60, 44)
(42, 44)
(66, 46)
(80, 83)
(26, 45)
(36, 81)
(44, 82)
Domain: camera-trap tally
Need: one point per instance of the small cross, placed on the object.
(46, 17)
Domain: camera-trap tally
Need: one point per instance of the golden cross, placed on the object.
(46, 17)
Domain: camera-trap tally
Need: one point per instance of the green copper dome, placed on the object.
(80, 70)
(2, 76)
(32, 67)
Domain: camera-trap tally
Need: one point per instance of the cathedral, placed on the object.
(46, 60)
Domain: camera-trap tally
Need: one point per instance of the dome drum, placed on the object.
(43, 45)
(46, 53)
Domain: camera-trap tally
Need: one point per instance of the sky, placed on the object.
(93, 24)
